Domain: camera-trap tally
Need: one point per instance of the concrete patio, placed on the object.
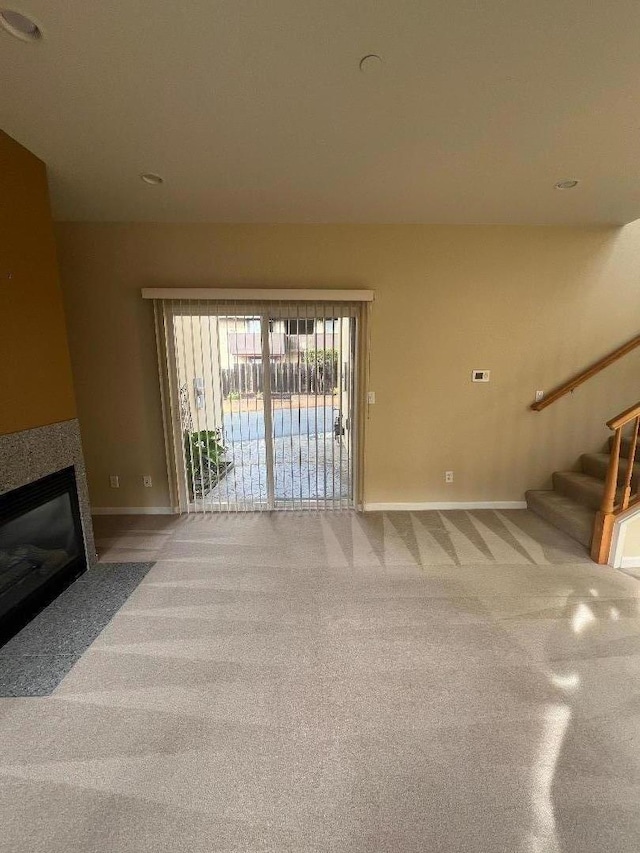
(306, 468)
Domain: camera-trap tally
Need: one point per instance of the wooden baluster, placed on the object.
(603, 527)
(611, 482)
(626, 494)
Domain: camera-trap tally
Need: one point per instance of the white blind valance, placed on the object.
(256, 294)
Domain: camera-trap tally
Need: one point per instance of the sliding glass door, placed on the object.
(262, 404)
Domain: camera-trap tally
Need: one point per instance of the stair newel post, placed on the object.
(626, 494)
(603, 527)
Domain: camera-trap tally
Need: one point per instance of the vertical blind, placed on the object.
(261, 402)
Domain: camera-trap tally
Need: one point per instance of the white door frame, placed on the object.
(267, 413)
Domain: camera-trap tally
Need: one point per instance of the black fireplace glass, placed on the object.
(40, 544)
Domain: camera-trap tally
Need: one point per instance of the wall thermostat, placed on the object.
(480, 375)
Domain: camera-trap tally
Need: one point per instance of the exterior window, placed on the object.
(299, 326)
(254, 325)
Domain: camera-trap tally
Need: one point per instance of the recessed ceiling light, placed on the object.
(566, 185)
(19, 25)
(152, 179)
(370, 63)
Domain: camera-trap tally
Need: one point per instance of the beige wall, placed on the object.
(35, 373)
(631, 548)
(532, 304)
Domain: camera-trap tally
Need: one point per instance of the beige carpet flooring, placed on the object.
(330, 683)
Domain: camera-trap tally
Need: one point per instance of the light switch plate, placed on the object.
(480, 375)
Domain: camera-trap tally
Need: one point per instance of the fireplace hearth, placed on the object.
(41, 547)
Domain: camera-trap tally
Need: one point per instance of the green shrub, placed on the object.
(204, 456)
(321, 356)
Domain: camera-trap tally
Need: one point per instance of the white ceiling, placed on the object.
(256, 111)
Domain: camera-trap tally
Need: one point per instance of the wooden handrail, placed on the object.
(624, 417)
(595, 368)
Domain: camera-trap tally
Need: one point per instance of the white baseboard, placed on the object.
(367, 507)
(423, 505)
(630, 563)
(134, 510)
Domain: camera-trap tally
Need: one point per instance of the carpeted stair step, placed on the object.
(625, 447)
(574, 519)
(597, 465)
(582, 488)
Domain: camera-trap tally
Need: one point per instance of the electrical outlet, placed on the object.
(371, 397)
(147, 481)
(448, 476)
(114, 481)
(539, 396)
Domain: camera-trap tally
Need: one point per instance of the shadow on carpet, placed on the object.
(36, 660)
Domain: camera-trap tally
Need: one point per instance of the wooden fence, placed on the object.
(286, 379)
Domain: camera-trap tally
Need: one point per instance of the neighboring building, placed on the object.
(241, 339)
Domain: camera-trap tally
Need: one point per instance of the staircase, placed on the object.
(576, 496)
(586, 503)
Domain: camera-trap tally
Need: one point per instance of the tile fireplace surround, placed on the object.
(33, 453)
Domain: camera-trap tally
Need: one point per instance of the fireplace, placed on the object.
(41, 547)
